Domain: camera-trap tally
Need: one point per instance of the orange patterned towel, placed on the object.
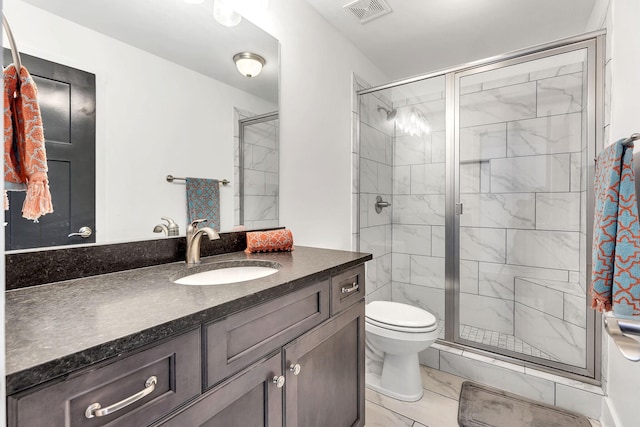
(25, 159)
(269, 241)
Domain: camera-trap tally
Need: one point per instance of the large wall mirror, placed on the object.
(168, 101)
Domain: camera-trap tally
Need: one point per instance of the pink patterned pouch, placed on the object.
(269, 241)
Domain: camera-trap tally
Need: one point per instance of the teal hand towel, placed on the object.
(203, 201)
(615, 278)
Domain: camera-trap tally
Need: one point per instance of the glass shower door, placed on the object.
(257, 172)
(522, 144)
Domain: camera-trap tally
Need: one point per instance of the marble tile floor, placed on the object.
(500, 340)
(437, 408)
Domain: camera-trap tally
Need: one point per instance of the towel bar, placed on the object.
(617, 328)
(171, 178)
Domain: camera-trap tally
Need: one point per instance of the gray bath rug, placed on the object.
(482, 406)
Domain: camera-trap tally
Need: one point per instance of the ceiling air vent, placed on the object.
(367, 10)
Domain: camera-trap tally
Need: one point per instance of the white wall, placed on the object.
(142, 137)
(315, 121)
(623, 376)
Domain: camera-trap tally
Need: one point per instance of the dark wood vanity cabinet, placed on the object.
(294, 361)
(319, 376)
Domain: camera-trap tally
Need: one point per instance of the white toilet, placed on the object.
(400, 332)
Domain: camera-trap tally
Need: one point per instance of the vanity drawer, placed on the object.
(347, 288)
(240, 339)
(175, 364)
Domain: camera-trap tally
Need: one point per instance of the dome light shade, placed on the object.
(249, 64)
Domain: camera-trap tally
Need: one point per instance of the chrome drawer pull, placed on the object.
(348, 289)
(96, 410)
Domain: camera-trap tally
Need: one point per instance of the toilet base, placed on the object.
(400, 378)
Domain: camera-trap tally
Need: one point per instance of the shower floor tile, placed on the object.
(500, 340)
(437, 408)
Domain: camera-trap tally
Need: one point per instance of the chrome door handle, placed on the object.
(84, 232)
(96, 410)
(278, 381)
(295, 368)
(348, 289)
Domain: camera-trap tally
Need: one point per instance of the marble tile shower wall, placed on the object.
(374, 159)
(261, 174)
(418, 256)
(523, 190)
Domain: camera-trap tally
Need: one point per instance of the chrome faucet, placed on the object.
(193, 240)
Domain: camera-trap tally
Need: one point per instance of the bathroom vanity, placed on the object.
(132, 348)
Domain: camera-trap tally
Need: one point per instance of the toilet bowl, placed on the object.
(398, 332)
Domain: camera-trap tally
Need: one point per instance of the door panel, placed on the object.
(522, 153)
(67, 99)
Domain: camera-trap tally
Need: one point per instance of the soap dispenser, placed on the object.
(170, 229)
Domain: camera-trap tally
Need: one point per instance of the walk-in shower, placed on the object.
(487, 169)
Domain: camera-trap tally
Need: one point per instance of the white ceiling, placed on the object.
(182, 33)
(419, 36)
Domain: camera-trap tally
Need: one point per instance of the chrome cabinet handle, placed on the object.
(278, 381)
(348, 289)
(295, 368)
(84, 232)
(96, 410)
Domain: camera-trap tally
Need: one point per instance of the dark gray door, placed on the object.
(67, 98)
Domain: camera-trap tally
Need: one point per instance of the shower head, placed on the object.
(391, 114)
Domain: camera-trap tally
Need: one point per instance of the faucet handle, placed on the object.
(195, 222)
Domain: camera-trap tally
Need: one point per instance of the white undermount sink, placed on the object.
(225, 272)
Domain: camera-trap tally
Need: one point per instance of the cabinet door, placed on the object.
(327, 388)
(249, 399)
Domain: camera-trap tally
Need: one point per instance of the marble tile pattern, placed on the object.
(483, 142)
(562, 340)
(550, 173)
(545, 135)
(374, 172)
(487, 313)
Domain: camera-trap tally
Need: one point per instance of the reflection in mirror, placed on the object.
(166, 95)
(257, 170)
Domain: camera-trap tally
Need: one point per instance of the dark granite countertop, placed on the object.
(55, 329)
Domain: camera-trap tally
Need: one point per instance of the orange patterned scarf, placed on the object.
(25, 159)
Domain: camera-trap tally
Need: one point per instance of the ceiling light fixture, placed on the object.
(249, 64)
(224, 13)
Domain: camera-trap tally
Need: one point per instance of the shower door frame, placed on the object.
(594, 43)
(594, 68)
(242, 123)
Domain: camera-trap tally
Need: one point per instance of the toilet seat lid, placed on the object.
(399, 315)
